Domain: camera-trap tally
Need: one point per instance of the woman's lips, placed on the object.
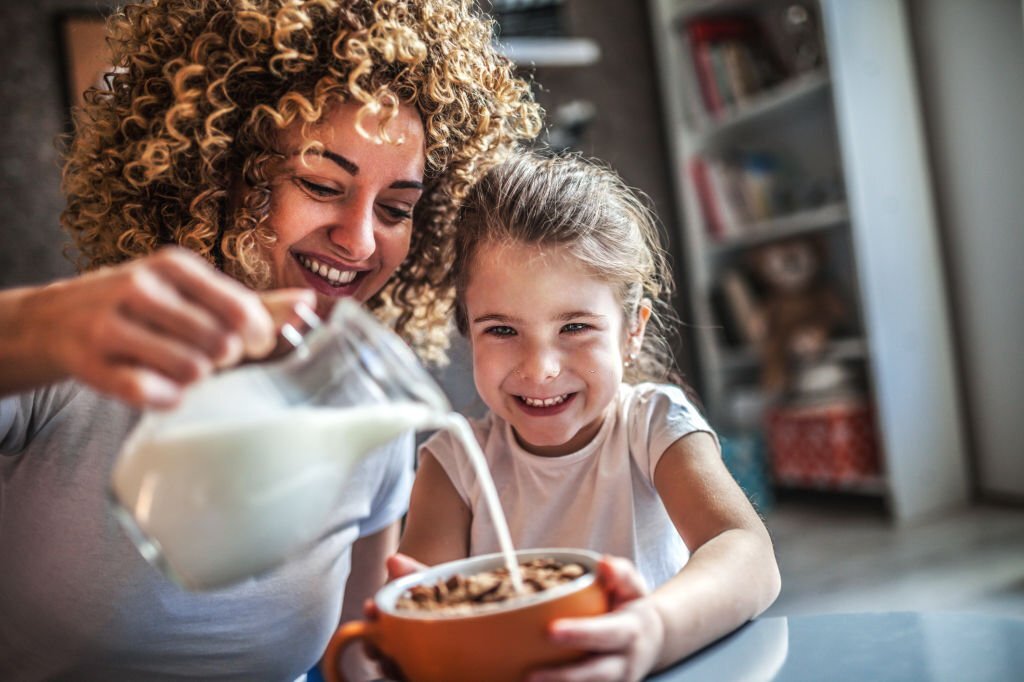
(329, 280)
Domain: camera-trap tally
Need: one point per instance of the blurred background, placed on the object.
(840, 186)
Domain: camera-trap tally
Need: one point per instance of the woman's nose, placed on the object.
(353, 231)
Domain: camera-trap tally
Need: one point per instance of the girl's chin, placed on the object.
(545, 443)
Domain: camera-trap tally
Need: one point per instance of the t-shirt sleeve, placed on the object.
(659, 415)
(11, 435)
(23, 415)
(449, 454)
(391, 500)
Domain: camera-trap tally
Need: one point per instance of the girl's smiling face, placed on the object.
(548, 340)
(343, 216)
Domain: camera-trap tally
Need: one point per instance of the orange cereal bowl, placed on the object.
(499, 643)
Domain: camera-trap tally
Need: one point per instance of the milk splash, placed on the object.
(460, 428)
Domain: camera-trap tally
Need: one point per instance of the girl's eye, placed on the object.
(315, 189)
(500, 330)
(575, 327)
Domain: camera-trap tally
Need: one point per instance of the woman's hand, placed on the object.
(140, 331)
(624, 643)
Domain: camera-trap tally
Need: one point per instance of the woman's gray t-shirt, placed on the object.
(78, 601)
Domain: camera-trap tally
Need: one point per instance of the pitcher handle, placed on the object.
(342, 637)
(293, 335)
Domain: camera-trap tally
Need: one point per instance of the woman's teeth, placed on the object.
(332, 275)
(545, 402)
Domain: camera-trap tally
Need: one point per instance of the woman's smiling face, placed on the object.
(343, 216)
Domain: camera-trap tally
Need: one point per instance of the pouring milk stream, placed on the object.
(244, 473)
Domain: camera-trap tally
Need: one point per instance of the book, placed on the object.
(725, 183)
(704, 69)
(731, 60)
(708, 203)
(703, 34)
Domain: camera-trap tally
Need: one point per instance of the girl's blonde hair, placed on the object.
(584, 206)
(202, 88)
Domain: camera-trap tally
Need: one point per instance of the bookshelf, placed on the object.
(777, 100)
(789, 225)
(822, 141)
(550, 52)
(533, 33)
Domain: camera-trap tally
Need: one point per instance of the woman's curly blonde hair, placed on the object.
(201, 88)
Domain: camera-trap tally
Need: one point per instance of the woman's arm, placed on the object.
(437, 526)
(140, 331)
(368, 572)
(367, 575)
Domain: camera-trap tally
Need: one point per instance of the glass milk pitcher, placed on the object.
(245, 471)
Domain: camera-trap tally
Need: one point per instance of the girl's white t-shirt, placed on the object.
(600, 498)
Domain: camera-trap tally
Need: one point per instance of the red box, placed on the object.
(832, 445)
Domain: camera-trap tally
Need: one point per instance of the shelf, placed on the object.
(867, 485)
(693, 8)
(550, 52)
(762, 106)
(852, 348)
(802, 222)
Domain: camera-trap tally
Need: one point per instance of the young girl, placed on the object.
(558, 272)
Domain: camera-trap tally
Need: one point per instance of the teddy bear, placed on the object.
(798, 309)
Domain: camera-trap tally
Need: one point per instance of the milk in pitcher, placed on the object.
(218, 501)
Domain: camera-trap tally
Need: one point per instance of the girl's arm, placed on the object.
(731, 577)
(437, 526)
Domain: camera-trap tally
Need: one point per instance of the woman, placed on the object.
(279, 145)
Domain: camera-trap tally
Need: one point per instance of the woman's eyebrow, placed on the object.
(353, 169)
(346, 165)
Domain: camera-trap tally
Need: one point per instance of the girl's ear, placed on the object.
(636, 335)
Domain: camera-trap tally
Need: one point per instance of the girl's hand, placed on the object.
(400, 565)
(143, 330)
(624, 644)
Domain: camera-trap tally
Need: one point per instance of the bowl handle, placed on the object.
(342, 637)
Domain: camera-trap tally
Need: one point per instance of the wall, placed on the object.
(30, 120)
(970, 59)
(627, 131)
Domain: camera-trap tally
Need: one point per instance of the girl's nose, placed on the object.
(540, 365)
(353, 231)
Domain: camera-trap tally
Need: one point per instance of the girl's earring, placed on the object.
(629, 361)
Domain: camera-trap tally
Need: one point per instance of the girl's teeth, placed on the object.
(545, 402)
